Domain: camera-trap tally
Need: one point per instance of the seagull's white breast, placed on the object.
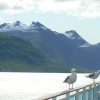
(72, 78)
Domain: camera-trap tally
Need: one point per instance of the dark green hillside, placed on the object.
(62, 53)
(17, 54)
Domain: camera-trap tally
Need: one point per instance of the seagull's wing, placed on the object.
(66, 79)
(91, 75)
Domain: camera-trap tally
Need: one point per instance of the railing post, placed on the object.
(67, 96)
(83, 94)
(98, 86)
(94, 93)
(97, 92)
(77, 95)
(90, 93)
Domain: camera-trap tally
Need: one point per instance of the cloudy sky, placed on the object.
(83, 16)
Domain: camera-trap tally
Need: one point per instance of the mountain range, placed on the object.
(62, 50)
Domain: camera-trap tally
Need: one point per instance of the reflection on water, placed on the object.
(29, 86)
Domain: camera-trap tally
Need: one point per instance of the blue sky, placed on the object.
(83, 16)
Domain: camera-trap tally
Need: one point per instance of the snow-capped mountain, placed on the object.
(74, 36)
(12, 26)
(36, 27)
(21, 27)
(64, 48)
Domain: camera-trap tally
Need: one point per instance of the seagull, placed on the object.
(94, 75)
(71, 78)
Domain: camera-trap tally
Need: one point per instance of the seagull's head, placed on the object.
(73, 70)
(99, 71)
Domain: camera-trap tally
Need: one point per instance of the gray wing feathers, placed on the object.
(91, 75)
(66, 78)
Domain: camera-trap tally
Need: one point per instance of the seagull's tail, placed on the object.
(64, 81)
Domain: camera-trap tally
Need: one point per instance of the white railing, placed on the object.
(87, 92)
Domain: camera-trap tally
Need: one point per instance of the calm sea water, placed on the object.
(29, 86)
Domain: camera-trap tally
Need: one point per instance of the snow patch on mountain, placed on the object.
(72, 34)
(86, 45)
(36, 25)
(69, 35)
(12, 26)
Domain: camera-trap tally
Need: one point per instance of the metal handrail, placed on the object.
(66, 91)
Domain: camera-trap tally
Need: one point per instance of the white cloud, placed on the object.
(14, 6)
(79, 8)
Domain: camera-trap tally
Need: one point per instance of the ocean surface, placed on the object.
(30, 86)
